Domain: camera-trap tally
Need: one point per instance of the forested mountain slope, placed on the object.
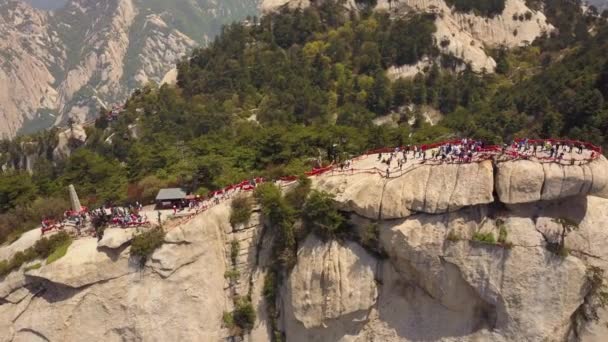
(308, 84)
(467, 30)
(495, 249)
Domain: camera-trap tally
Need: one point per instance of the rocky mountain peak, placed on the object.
(89, 54)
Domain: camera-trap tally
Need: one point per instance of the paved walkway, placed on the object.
(376, 161)
(373, 163)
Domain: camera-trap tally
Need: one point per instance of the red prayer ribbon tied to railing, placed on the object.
(482, 153)
(563, 142)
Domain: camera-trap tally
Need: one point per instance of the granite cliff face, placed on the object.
(433, 279)
(465, 36)
(438, 189)
(70, 62)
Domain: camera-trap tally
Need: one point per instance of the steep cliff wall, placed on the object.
(439, 284)
(97, 292)
(432, 278)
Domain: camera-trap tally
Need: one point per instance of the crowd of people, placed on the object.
(555, 149)
(462, 151)
(469, 150)
(458, 151)
(81, 220)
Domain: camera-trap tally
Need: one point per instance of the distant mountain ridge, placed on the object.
(73, 60)
(466, 35)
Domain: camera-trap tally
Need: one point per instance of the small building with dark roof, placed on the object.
(167, 198)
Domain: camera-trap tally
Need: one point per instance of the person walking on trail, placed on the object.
(580, 148)
(388, 172)
(159, 217)
(379, 156)
(552, 152)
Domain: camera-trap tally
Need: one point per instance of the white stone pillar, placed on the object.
(74, 199)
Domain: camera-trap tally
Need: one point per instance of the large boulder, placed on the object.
(25, 241)
(116, 237)
(525, 181)
(331, 280)
(524, 292)
(437, 189)
(84, 265)
(186, 243)
(11, 283)
(599, 172)
(415, 245)
(519, 181)
(422, 188)
(360, 193)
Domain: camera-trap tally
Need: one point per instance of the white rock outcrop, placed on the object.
(525, 181)
(438, 189)
(431, 189)
(116, 237)
(84, 265)
(90, 294)
(187, 244)
(462, 35)
(68, 139)
(360, 193)
(331, 280)
(437, 284)
(25, 241)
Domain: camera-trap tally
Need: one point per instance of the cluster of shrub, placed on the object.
(144, 244)
(488, 8)
(51, 249)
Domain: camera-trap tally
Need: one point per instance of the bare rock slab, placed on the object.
(331, 280)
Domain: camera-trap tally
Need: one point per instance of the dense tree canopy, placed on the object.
(305, 86)
(487, 8)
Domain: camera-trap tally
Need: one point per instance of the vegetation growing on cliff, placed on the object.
(321, 216)
(306, 85)
(240, 210)
(488, 8)
(143, 245)
(51, 249)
